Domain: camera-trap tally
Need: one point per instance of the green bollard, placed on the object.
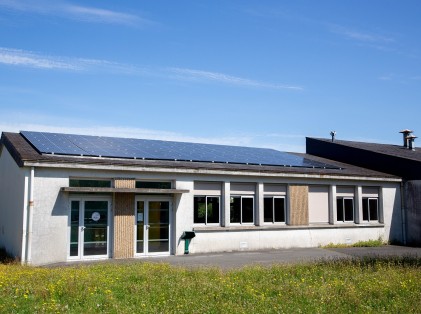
(187, 236)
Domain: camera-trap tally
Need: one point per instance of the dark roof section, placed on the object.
(393, 159)
(23, 152)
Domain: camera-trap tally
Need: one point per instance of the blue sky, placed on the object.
(252, 73)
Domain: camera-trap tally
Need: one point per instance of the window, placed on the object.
(206, 210)
(242, 209)
(152, 185)
(345, 209)
(89, 183)
(370, 209)
(274, 209)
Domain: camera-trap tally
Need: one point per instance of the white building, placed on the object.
(63, 199)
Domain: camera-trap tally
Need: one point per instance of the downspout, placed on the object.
(24, 222)
(403, 213)
(30, 217)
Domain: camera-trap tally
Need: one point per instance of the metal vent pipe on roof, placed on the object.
(333, 134)
(410, 140)
(405, 134)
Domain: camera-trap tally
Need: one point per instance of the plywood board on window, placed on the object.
(124, 183)
(124, 225)
(298, 197)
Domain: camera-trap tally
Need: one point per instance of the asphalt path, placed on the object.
(234, 260)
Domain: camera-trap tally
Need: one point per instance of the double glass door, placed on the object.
(152, 226)
(89, 231)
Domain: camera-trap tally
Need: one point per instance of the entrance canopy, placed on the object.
(122, 190)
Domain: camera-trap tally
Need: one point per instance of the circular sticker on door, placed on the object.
(96, 216)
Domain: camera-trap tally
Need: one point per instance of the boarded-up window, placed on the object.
(318, 203)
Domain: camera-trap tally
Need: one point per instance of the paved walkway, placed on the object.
(268, 257)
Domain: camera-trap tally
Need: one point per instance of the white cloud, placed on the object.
(386, 77)
(359, 35)
(191, 74)
(29, 59)
(19, 57)
(24, 58)
(70, 11)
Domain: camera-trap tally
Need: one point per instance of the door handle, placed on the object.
(147, 226)
(82, 228)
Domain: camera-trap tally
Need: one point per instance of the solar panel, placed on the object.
(113, 147)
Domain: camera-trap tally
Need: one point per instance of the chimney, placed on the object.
(405, 134)
(410, 139)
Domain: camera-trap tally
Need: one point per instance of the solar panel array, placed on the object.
(113, 147)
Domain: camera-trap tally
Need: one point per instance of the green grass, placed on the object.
(359, 286)
(368, 243)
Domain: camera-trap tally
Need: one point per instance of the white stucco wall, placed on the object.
(206, 242)
(50, 217)
(254, 238)
(13, 200)
(51, 209)
(392, 214)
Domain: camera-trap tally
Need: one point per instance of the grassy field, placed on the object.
(368, 286)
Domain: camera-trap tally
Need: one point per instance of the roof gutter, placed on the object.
(235, 172)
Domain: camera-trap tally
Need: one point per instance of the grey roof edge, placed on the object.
(24, 154)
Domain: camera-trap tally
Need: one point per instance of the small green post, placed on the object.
(186, 246)
(187, 236)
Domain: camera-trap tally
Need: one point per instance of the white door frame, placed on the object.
(82, 199)
(146, 200)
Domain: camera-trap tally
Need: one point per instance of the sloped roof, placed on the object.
(25, 154)
(394, 159)
(385, 149)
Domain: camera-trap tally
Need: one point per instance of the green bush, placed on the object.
(368, 243)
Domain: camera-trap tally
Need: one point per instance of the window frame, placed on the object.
(241, 210)
(273, 222)
(368, 209)
(206, 214)
(343, 199)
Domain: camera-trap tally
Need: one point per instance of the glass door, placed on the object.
(95, 228)
(153, 226)
(89, 228)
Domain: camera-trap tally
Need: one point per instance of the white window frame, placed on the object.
(241, 210)
(206, 215)
(273, 197)
(343, 198)
(82, 199)
(148, 199)
(368, 213)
